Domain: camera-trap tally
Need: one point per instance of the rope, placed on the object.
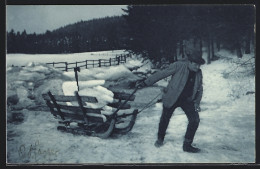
(145, 107)
(149, 104)
(121, 105)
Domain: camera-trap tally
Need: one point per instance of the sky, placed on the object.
(40, 18)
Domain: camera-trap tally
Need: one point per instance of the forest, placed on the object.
(155, 31)
(158, 31)
(84, 36)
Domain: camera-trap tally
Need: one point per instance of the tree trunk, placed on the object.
(181, 49)
(247, 51)
(212, 47)
(238, 49)
(248, 39)
(208, 40)
(194, 42)
(218, 45)
(175, 53)
(171, 58)
(208, 44)
(201, 45)
(253, 35)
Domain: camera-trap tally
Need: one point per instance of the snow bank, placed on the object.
(30, 82)
(134, 62)
(113, 75)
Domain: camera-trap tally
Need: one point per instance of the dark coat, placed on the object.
(179, 71)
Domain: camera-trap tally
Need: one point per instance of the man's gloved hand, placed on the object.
(197, 107)
(140, 84)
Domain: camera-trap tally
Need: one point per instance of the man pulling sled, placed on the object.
(184, 90)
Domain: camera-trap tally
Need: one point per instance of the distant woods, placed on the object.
(155, 31)
(84, 36)
(168, 31)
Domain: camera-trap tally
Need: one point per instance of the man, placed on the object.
(184, 90)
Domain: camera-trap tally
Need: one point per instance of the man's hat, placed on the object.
(196, 56)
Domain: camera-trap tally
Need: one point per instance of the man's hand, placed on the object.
(197, 107)
(140, 84)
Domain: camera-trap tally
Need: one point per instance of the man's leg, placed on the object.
(164, 122)
(193, 118)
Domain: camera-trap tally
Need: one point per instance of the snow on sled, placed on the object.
(90, 121)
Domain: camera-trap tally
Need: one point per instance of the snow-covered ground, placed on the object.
(24, 59)
(226, 133)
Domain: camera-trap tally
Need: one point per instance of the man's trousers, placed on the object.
(192, 115)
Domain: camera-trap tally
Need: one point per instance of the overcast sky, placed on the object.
(40, 18)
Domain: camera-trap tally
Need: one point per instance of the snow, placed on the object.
(70, 87)
(90, 88)
(109, 73)
(213, 84)
(226, 133)
(26, 59)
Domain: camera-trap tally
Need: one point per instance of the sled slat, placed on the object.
(60, 98)
(117, 104)
(76, 109)
(70, 115)
(123, 96)
(83, 111)
(56, 105)
(79, 117)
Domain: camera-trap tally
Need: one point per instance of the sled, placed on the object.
(89, 121)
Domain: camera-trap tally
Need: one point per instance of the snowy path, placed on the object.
(226, 133)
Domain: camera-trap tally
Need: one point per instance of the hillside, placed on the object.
(93, 35)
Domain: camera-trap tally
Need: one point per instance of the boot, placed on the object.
(189, 148)
(158, 143)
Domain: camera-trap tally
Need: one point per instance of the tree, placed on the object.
(237, 26)
(155, 31)
(11, 42)
(152, 31)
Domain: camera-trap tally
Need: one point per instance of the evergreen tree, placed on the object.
(157, 31)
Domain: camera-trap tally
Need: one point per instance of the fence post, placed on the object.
(110, 61)
(76, 64)
(118, 60)
(53, 64)
(66, 63)
(99, 63)
(86, 64)
(93, 63)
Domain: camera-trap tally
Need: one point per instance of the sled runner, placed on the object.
(89, 121)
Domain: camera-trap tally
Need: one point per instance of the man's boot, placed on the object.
(189, 148)
(158, 143)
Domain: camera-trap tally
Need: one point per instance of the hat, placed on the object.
(196, 57)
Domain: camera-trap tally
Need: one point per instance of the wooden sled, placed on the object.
(90, 121)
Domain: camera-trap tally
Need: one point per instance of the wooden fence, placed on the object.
(65, 66)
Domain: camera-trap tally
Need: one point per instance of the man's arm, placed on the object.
(162, 74)
(199, 94)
